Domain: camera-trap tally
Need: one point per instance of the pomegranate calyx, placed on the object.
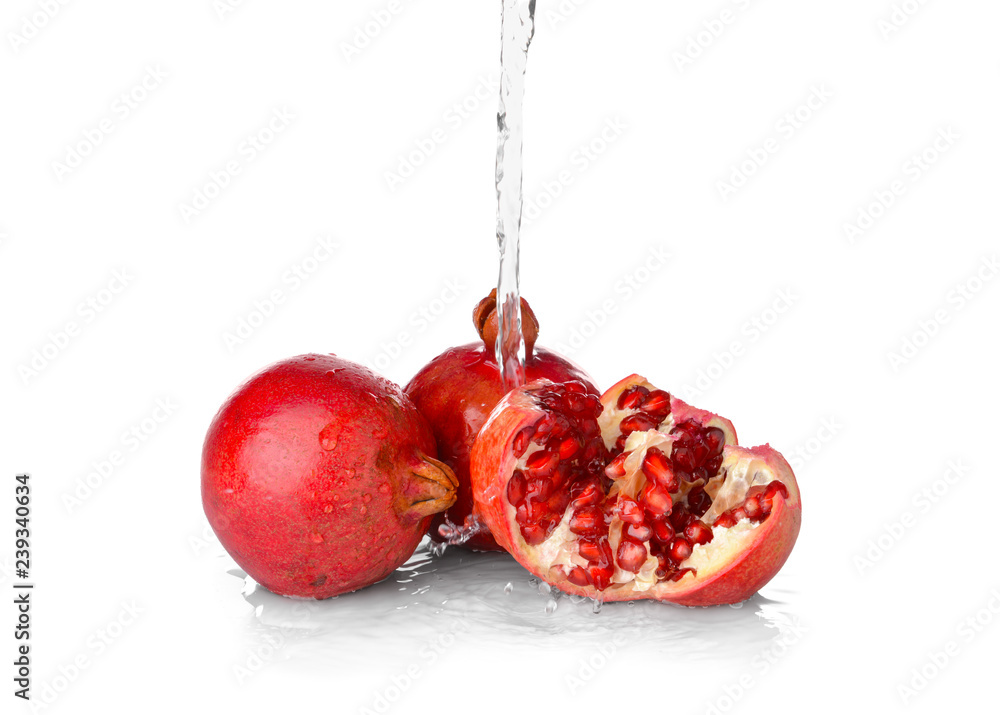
(484, 317)
(433, 490)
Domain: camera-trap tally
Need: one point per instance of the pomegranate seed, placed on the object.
(620, 443)
(777, 488)
(657, 403)
(656, 499)
(522, 440)
(600, 576)
(752, 507)
(576, 403)
(586, 492)
(663, 531)
(632, 397)
(698, 533)
(683, 458)
(680, 549)
(681, 573)
(638, 422)
(544, 426)
(590, 550)
(616, 470)
(715, 440)
(539, 489)
(569, 447)
(631, 555)
(700, 473)
(629, 510)
(594, 406)
(656, 467)
(587, 521)
(578, 577)
(575, 386)
(681, 517)
(725, 520)
(739, 514)
(535, 534)
(541, 464)
(516, 489)
(640, 532)
(698, 501)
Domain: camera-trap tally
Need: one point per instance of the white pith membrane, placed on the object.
(740, 471)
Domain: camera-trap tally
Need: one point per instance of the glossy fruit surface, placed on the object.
(319, 477)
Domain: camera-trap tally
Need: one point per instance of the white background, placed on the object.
(131, 584)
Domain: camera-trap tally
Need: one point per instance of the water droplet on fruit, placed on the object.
(328, 508)
(328, 437)
(508, 588)
(349, 473)
(384, 488)
(551, 606)
(317, 538)
(380, 433)
(367, 498)
(364, 510)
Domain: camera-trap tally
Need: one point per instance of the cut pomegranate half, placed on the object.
(635, 495)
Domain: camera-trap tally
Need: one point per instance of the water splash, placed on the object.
(518, 28)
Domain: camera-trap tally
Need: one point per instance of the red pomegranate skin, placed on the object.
(456, 392)
(318, 477)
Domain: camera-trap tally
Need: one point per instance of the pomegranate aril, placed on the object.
(578, 577)
(620, 442)
(632, 398)
(586, 492)
(539, 490)
(752, 507)
(590, 429)
(656, 499)
(725, 520)
(600, 576)
(629, 510)
(575, 386)
(636, 423)
(681, 573)
(697, 532)
(680, 549)
(739, 513)
(657, 403)
(715, 440)
(663, 531)
(776, 487)
(541, 464)
(516, 488)
(616, 469)
(569, 447)
(576, 403)
(683, 458)
(681, 517)
(631, 555)
(640, 532)
(535, 534)
(590, 549)
(522, 440)
(698, 501)
(656, 467)
(587, 521)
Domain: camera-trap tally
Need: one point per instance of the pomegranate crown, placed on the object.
(484, 317)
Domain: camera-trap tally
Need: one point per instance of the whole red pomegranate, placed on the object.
(635, 495)
(319, 477)
(457, 390)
